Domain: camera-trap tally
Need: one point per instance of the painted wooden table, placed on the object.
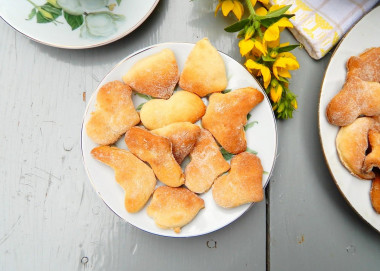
(52, 219)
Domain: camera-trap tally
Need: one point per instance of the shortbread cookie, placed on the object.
(155, 75)
(373, 158)
(173, 208)
(375, 194)
(133, 175)
(352, 144)
(182, 106)
(242, 184)
(114, 114)
(226, 116)
(356, 98)
(206, 164)
(182, 135)
(204, 70)
(157, 152)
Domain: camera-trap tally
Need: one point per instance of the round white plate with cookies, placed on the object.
(364, 35)
(261, 138)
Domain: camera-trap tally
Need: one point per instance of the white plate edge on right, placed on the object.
(364, 35)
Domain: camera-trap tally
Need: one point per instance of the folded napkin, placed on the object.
(319, 24)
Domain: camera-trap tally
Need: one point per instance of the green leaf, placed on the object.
(32, 14)
(267, 58)
(41, 19)
(146, 97)
(118, 2)
(251, 151)
(227, 156)
(249, 125)
(275, 13)
(140, 106)
(287, 48)
(226, 91)
(74, 21)
(283, 79)
(56, 12)
(270, 21)
(249, 116)
(237, 26)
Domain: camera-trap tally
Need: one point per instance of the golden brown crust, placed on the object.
(181, 107)
(366, 66)
(204, 70)
(352, 143)
(373, 158)
(134, 176)
(157, 152)
(155, 75)
(243, 183)
(114, 114)
(182, 135)
(226, 116)
(356, 98)
(173, 208)
(375, 194)
(207, 163)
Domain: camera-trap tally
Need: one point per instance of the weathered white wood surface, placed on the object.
(52, 219)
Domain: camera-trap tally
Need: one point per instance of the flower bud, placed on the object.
(45, 14)
(249, 33)
(294, 103)
(53, 3)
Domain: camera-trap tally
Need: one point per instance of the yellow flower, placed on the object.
(246, 46)
(265, 2)
(294, 103)
(284, 62)
(228, 5)
(261, 11)
(275, 93)
(260, 69)
(273, 31)
(259, 49)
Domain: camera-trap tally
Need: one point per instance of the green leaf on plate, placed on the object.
(249, 125)
(226, 91)
(118, 2)
(251, 151)
(140, 106)
(227, 156)
(32, 14)
(249, 116)
(74, 21)
(56, 12)
(146, 97)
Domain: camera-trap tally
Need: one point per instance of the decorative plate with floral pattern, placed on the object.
(76, 24)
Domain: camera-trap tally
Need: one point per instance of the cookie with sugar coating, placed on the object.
(157, 152)
(375, 194)
(173, 208)
(134, 176)
(226, 116)
(366, 66)
(155, 75)
(242, 184)
(206, 164)
(352, 144)
(182, 135)
(182, 106)
(204, 70)
(114, 114)
(373, 158)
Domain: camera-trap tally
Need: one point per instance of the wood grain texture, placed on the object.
(51, 217)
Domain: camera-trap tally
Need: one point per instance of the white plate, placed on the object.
(262, 137)
(365, 34)
(59, 34)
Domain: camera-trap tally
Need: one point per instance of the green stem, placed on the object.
(32, 3)
(250, 7)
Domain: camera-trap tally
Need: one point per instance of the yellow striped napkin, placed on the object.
(319, 24)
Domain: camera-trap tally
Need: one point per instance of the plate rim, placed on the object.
(324, 115)
(93, 97)
(98, 44)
